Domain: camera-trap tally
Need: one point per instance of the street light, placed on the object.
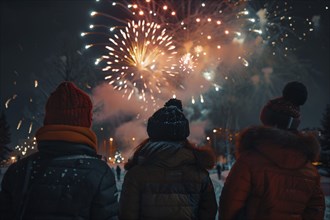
(215, 139)
(110, 147)
(133, 141)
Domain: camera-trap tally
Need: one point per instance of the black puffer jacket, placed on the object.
(168, 180)
(68, 181)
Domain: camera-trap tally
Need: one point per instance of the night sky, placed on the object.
(31, 32)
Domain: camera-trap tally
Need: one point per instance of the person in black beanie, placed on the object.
(273, 176)
(166, 177)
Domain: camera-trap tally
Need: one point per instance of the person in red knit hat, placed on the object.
(65, 179)
(273, 176)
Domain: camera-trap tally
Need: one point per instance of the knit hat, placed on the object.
(68, 105)
(168, 123)
(284, 112)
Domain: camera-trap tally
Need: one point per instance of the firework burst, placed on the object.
(140, 59)
(157, 48)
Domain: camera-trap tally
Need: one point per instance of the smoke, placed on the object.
(110, 105)
(197, 131)
(109, 102)
(130, 135)
(316, 21)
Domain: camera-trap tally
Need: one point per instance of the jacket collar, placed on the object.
(290, 149)
(172, 154)
(60, 148)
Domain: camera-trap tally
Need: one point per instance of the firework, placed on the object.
(140, 59)
(9, 100)
(174, 47)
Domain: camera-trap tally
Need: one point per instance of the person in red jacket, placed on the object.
(273, 177)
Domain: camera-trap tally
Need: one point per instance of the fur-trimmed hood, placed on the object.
(172, 154)
(287, 149)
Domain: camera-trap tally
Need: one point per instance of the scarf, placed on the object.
(75, 134)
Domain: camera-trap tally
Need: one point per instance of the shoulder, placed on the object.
(21, 164)
(85, 162)
(258, 136)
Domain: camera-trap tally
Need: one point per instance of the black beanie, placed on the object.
(295, 92)
(284, 112)
(168, 123)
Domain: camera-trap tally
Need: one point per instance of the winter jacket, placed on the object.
(168, 180)
(273, 177)
(67, 181)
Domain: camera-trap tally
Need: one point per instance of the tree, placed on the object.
(325, 122)
(67, 63)
(4, 137)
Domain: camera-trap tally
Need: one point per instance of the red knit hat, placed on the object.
(68, 105)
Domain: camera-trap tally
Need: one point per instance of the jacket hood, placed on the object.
(172, 154)
(287, 149)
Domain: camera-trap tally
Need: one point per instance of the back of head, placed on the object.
(284, 112)
(168, 123)
(68, 105)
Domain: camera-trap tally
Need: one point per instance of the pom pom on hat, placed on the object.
(295, 92)
(174, 102)
(284, 112)
(68, 105)
(168, 123)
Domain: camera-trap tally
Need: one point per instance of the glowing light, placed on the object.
(30, 128)
(258, 31)
(7, 103)
(19, 125)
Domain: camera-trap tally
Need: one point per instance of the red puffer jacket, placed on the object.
(273, 177)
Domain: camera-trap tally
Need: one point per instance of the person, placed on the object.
(65, 179)
(273, 177)
(219, 169)
(166, 177)
(118, 171)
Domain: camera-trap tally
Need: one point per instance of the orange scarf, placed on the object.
(75, 134)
